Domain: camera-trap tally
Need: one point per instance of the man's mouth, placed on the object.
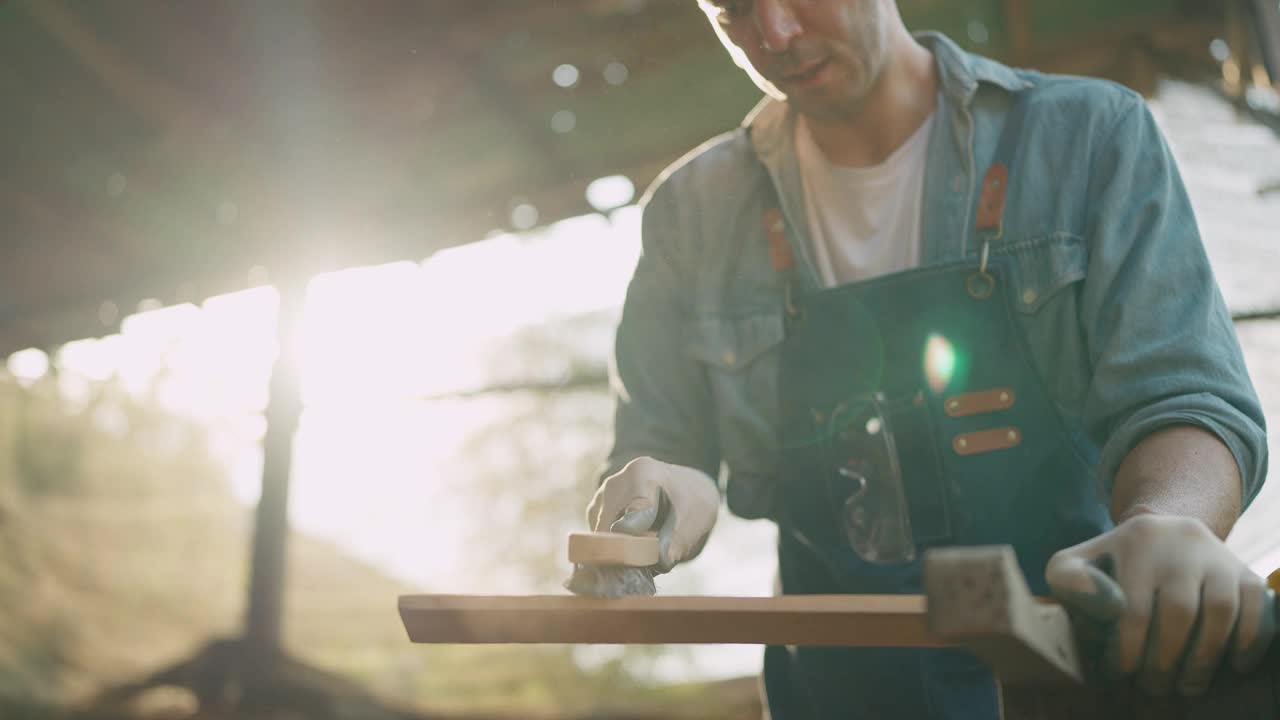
(806, 74)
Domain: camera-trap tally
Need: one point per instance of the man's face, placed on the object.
(824, 56)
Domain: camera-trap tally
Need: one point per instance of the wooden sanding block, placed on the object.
(606, 548)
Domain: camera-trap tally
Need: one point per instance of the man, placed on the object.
(921, 299)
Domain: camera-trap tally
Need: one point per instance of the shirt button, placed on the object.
(729, 358)
(1028, 296)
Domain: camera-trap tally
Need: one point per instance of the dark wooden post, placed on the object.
(1017, 23)
(1266, 22)
(265, 609)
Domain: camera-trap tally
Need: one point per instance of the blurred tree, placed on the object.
(529, 474)
(139, 560)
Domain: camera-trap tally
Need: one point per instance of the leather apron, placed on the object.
(912, 416)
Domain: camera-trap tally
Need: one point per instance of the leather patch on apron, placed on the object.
(986, 441)
(981, 401)
(991, 199)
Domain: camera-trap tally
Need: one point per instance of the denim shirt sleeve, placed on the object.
(664, 404)
(1162, 344)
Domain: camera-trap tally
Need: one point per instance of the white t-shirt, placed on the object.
(863, 221)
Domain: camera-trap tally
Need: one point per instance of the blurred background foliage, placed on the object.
(124, 549)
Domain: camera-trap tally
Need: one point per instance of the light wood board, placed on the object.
(862, 620)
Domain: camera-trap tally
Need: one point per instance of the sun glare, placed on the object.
(372, 344)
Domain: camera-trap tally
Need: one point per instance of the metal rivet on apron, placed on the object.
(729, 358)
(962, 443)
(1004, 397)
(953, 404)
(1028, 296)
(980, 285)
(1013, 434)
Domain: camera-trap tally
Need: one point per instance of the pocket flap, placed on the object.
(731, 343)
(1043, 266)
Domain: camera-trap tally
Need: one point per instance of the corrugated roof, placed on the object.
(162, 150)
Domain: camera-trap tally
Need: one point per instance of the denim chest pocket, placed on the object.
(731, 343)
(1043, 266)
(741, 355)
(1046, 275)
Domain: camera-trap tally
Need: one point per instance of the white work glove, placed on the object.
(677, 502)
(1179, 601)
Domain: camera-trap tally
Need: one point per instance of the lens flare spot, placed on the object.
(939, 362)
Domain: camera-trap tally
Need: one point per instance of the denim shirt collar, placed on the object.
(771, 126)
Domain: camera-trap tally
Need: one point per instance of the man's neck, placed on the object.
(903, 97)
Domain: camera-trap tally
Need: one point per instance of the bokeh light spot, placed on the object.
(566, 75)
(615, 73)
(610, 192)
(978, 32)
(524, 216)
(28, 365)
(108, 313)
(874, 425)
(1219, 49)
(564, 121)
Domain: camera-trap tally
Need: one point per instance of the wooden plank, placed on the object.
(848, 620)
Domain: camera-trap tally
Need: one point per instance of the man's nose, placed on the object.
(777, 23)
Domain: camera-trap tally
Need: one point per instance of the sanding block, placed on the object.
(607, 548)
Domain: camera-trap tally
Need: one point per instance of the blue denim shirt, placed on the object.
(1112, 285)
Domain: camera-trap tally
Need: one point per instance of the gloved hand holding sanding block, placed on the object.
(671, 506)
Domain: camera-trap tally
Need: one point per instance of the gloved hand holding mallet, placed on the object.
(1180, 602)
(676, 505)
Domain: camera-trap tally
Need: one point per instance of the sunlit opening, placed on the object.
(388, 456)
(374, 346)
